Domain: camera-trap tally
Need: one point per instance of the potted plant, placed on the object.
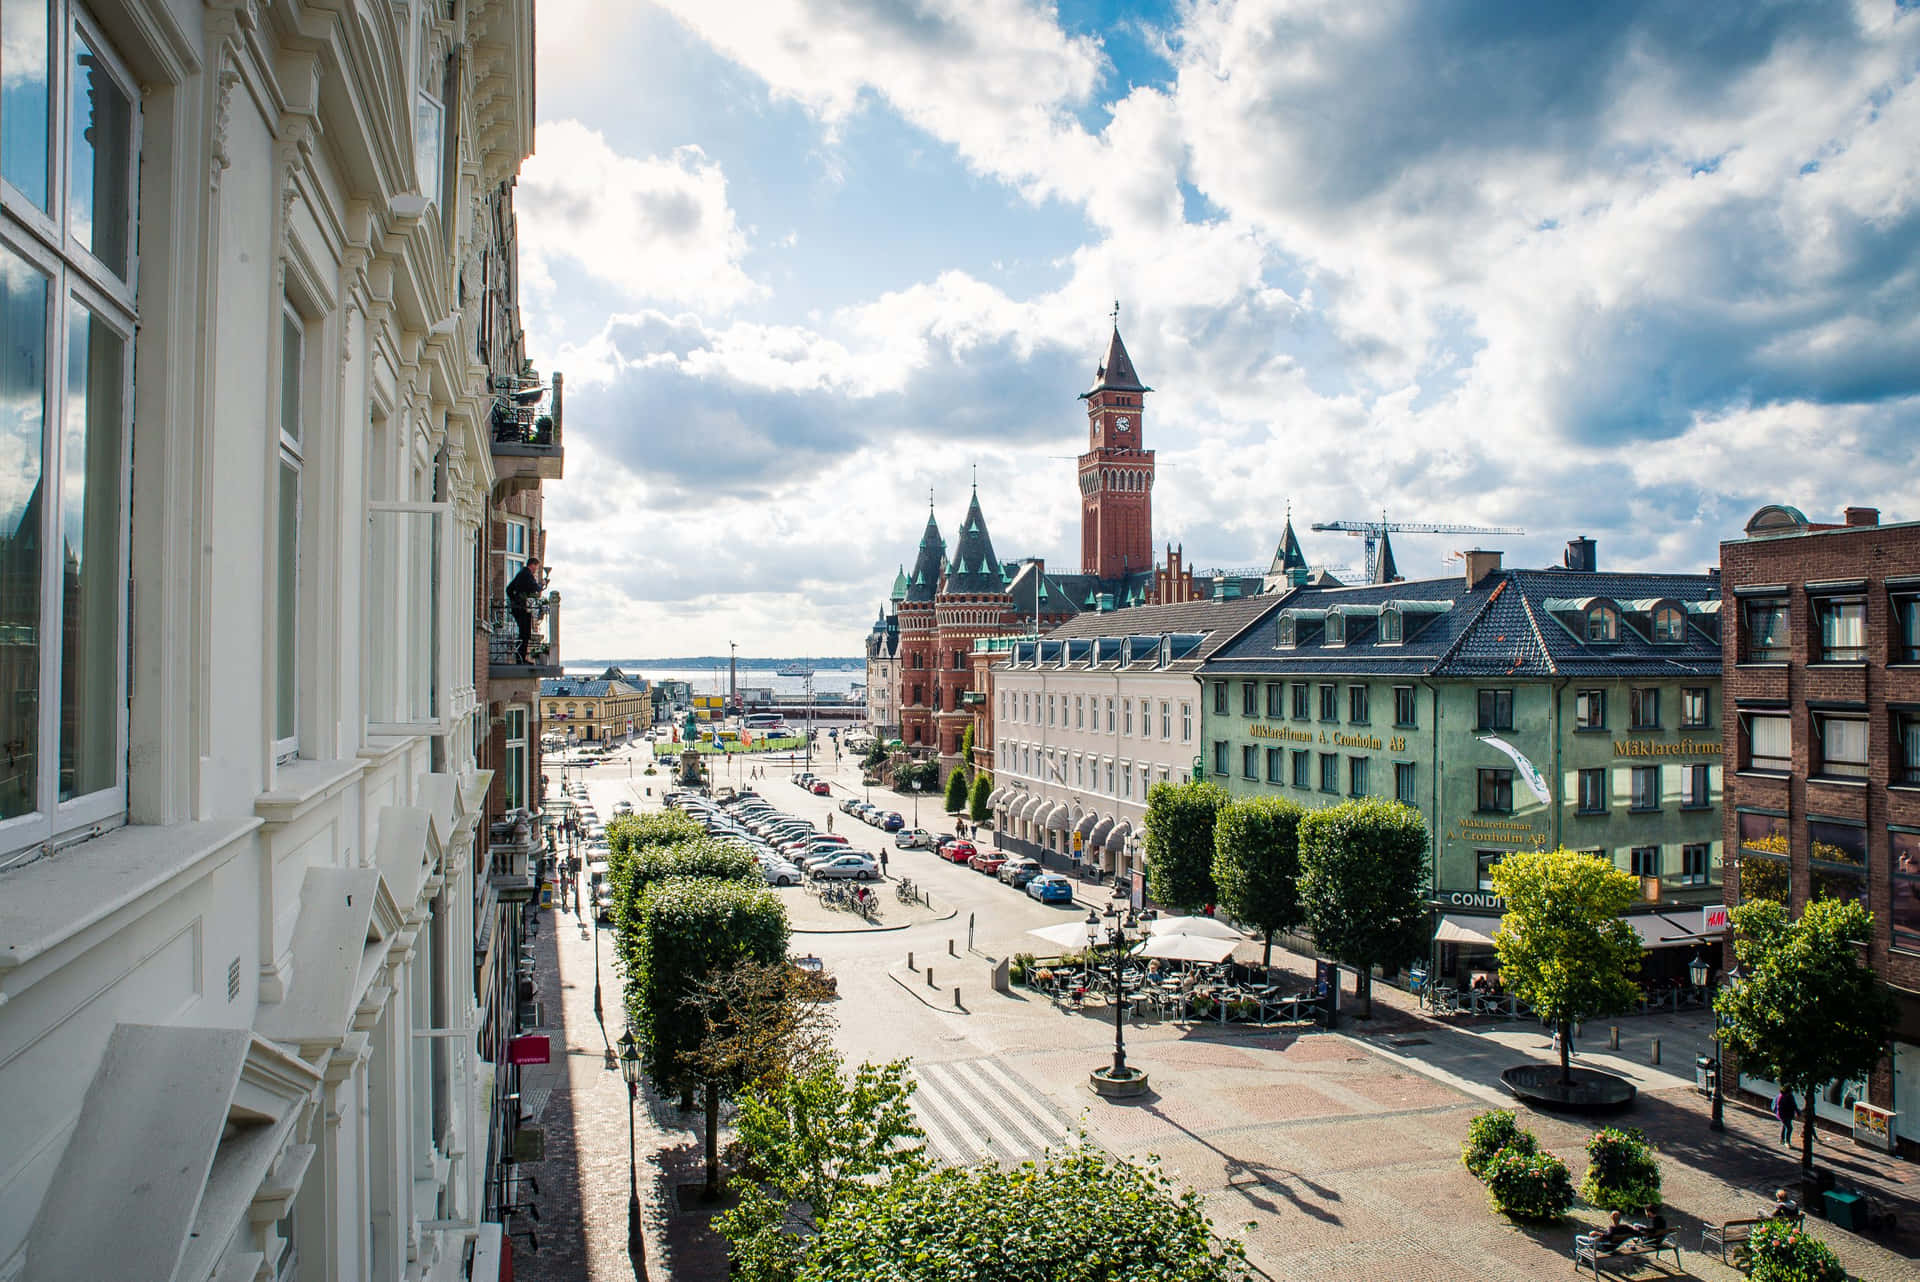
(1201, 1005)
(1241, 1008)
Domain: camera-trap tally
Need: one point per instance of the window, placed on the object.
(1842, 624)
(1403, 706)
(1356, 776)
(1762, 868)
(1220, 757)
(1765, 623)
(1838, 861)
(1693, 708)
(1695, 859)
(1302, 768)
(1905, 849)
(1289, 634)
(1906, 748)
(1126, 716)
(1220, 698)
(1109, 715)
(1329, 703)
(1330, 772)
(1484, 862)
(1496, 791)
(1593, 791)
(1843, 746)
(428, 128)
(1336, 631)
(1276, 765)
(1357, 703)
(1589, 710)
(1696, 787)
(67, 118)
(1643, 708)
(1276, 699)
(1166, 721)
(1496, 710)
(1906, 628)
(1126, 778)
(1079, 771)
(1403, 782)
(1079, 712)
(1302, 701)
(1186, 722)
(1769, 741)
(1602, 623)
(1669, 625)
(1249, 699)
(1049, 709)
(1646, 788)
(1391, 632)
(515, 548)
(515, 791)
(1644, 861)
(1109, 766)
(1249, 762)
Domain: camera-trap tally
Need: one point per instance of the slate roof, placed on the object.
(1288, 557)
(1385, 571)
(1220, 620)
(928, 565)
(575, 688)
(1505, 627)
(1115, 373)
(974, 570)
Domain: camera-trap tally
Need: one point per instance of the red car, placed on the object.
(987, 861)
(961, 852)
(820, 788)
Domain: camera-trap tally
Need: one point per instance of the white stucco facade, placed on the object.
(242, 867)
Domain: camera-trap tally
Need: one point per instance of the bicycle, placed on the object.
(905, 891)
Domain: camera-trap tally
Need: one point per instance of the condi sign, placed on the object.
(1483, 900)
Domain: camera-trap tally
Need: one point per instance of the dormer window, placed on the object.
(1336, 628)
(1286, 629)
(1603, 623)
(1669, 624)
(1390, 627)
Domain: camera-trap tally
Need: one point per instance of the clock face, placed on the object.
(1122, 423)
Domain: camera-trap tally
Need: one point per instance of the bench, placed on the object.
(1734, 1234)
(1592, 1252)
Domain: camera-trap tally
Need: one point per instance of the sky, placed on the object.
(1627, 270)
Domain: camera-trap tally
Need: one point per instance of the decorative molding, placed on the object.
(219, 159)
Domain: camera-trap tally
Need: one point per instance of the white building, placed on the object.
(883, 667)
(244, 473)
(1091, 716)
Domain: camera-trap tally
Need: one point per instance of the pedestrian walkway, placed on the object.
(978, 1108)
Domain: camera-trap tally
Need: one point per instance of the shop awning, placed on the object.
(1087, 821)
(1059, 819)
(1117, 839)
(1454, 929)
(1025, 808)
(1677, 930)
(999, 796)
(1098, 837)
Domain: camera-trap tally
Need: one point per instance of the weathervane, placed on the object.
(1116, 313)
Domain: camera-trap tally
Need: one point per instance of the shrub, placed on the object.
(1020, 967)
(956, 791)
(1782, 1251)
(1529, 1183)
(1624, 1174)
(1490, 1132)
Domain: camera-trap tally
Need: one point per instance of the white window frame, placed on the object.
(290, 453)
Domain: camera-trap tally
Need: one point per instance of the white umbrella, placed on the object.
(1194, 948)
(1068, 934)
(1200, 927)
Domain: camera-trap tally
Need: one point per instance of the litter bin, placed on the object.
(1704, 1069)
(1843, 1209)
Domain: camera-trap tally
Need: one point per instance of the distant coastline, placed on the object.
(719, 660)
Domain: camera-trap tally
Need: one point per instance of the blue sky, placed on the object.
(1628, 271)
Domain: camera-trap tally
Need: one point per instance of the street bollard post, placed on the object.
(1656, 1050)
(929, 977)
(1613, 1037)
(950, 951)
(910, 965)
(956, 999)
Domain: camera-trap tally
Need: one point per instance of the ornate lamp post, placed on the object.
(1701, 973)
(916, 803)
(1117, 1079)
(630, 1070)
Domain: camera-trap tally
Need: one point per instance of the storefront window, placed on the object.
(1905, 848)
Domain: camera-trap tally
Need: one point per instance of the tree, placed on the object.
(809, 1140)
(1256, 864)
(762, 1025)
(956, 791)
(1563, 949)
(977, 808)
(966, 748)
(646, 866)
(1363, 882)
(1073, 1216)
(927, 772)
(690, 930)
(876, 756)
(1808, 1012)
(1180, 819)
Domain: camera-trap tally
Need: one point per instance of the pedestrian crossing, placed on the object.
(976, 1108)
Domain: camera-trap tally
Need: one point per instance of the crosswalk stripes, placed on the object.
(975, 1108)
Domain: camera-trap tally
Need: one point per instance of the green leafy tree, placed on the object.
(1363, 883)
(1077, 1215)
(956, 791)
(646, 866)
(966, 748)
(810, 1140)
(876, 756)
(926, 772)
(1808, 1012)
(977, 808)
(1563, 949)
(1180, 820)
(690, 931)
(1256, 865)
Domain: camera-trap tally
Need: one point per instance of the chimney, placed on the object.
(1581, 555)
(1863, 516)
(1479, 565)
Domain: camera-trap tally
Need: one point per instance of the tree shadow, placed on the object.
(1265, 1175)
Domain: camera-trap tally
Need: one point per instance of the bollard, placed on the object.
(1656, 1050)
(1613, 1037)
(929, 977)
(910, 965)
(950, 951)
(956, 999)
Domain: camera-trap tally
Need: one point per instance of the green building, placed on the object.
(1515, 709)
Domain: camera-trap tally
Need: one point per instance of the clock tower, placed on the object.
(1116, 472)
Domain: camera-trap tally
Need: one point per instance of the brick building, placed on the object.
(1822, 663)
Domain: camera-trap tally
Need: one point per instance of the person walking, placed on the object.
(1786, 1108)
(883, 861)
(522, 590)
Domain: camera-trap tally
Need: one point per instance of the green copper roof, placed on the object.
(899, 585)
(974, 568)
(925, 579)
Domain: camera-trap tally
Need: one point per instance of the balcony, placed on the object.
(526, 437)
(543, 644)
(513, 858)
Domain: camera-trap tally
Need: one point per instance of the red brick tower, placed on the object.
(918, 667)
(1116, 474)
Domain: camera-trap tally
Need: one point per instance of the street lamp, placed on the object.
(630, 1070)
(1115, 930)
(916, 803)
(1700, 972)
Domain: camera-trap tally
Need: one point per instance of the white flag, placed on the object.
(1535, 780)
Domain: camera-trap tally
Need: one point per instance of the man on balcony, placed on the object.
(521, 594)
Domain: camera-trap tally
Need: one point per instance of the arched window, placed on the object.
(1286, 629)
(1669, 624)
(1391, 632)
(1603, 622)
(1336, 628)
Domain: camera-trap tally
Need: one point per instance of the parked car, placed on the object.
(987, 861)
(779, 872)
(822, 981)
(893, 822)
(859, 867)
(1051, 888)
(622, 808)
(850, 805)
(1018, 872)
(960, 851)
(820, 788)
(913, 839)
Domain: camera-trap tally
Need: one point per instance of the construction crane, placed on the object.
(1376, 531)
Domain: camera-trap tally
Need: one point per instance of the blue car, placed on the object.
(1051, 888)
(893, 822)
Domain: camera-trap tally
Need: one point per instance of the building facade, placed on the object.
(1516, 709)
(244, 872)
(610, 708)
(1822, 706)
